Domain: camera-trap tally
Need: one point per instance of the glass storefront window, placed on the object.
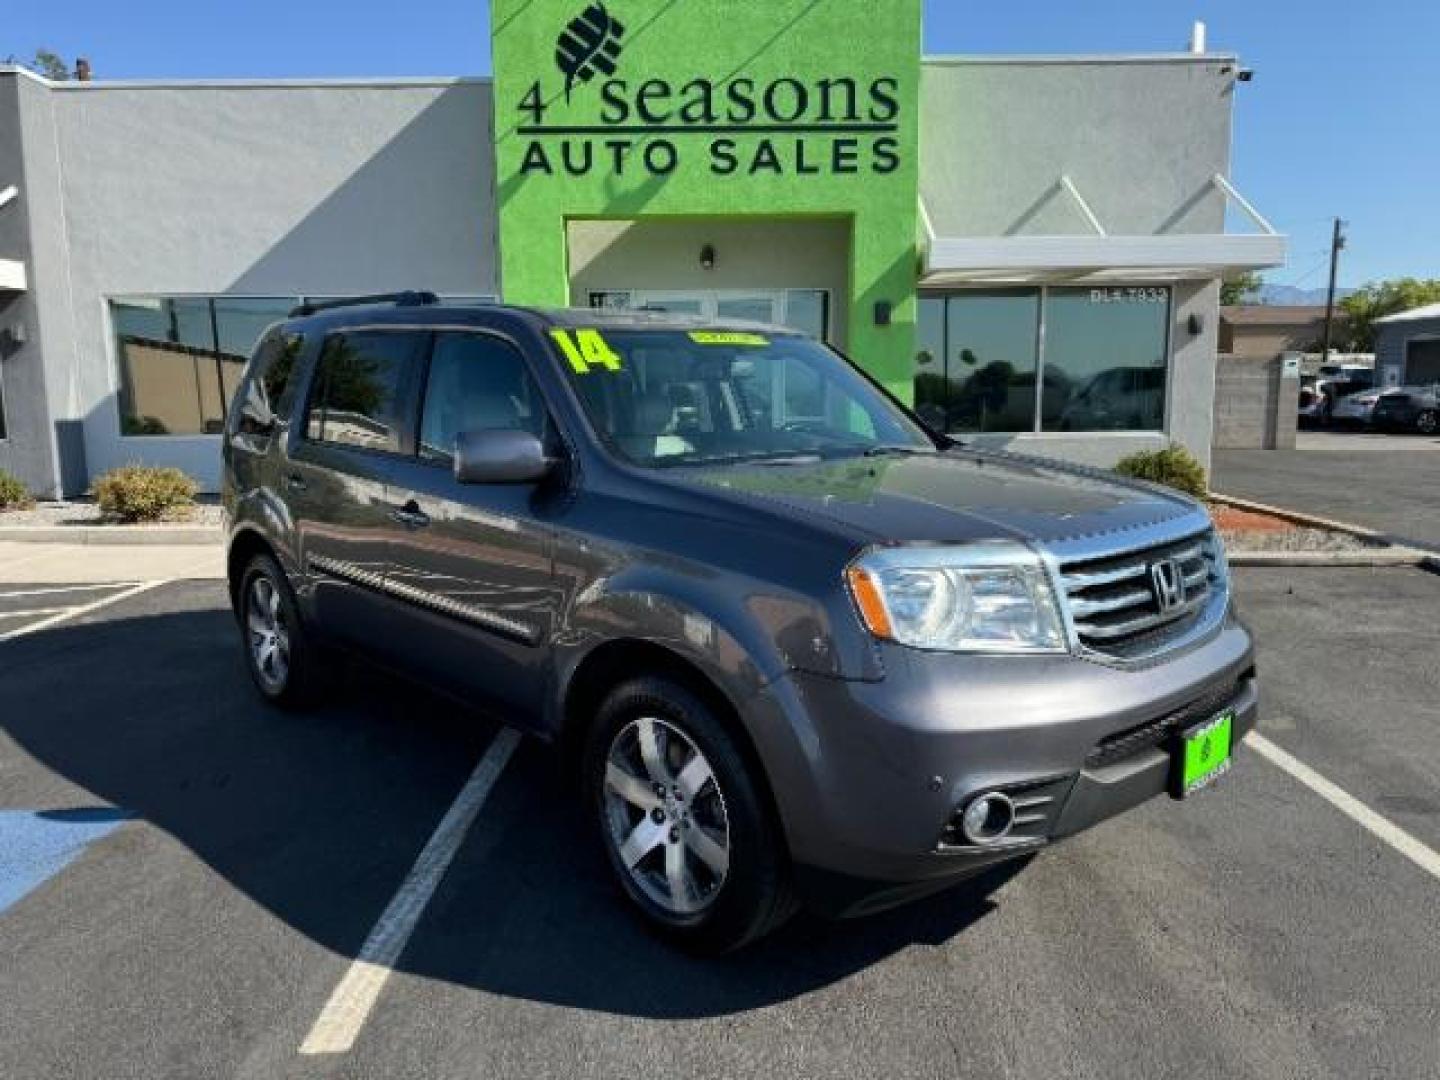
(1102, 354)
(976, 361)
(1105, 350)
(181, 358)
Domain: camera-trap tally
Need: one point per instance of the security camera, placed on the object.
(1245, 74)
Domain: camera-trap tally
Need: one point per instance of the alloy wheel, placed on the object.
(268, 634)
(665, 816)
(1428, 422)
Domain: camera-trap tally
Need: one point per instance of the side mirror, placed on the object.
(500, 456)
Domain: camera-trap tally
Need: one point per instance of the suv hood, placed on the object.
(952, 497)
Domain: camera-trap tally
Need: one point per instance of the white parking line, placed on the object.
(32, 612)
(52, 590)
(345, 1013)
(82, 609)
(1421, 854)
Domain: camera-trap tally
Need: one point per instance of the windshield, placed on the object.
(672, 397)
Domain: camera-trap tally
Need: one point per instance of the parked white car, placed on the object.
(1356, 408)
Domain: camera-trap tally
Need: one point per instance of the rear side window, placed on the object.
(476, 382)
(361, 384)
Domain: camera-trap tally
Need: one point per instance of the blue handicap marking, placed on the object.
(35, 845)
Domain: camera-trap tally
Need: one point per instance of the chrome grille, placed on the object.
(1116, 603)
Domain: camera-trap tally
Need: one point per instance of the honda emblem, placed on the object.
(1168, 582)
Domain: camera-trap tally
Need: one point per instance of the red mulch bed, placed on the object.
(1233, 519)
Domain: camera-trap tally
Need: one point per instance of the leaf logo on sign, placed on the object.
(589, 43)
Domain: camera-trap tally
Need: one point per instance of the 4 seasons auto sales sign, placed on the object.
(635, 109)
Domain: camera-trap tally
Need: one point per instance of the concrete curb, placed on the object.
(114, 535)
(1380, 557)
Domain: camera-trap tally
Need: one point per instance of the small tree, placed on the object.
(50, 65)
(1374, 301)
(1241, 288)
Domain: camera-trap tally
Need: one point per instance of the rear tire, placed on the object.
(284, 664)
(683, 820)
(1428, 422)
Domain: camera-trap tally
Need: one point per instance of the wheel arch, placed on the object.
(245, 544)
(619, 660)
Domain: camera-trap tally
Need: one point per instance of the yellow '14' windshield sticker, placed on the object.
(586, 349)
(727, 337)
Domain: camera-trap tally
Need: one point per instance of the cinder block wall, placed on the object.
(1255, 404)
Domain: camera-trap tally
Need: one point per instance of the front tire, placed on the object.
(683, 820)
(283, 663)
(1428, 422)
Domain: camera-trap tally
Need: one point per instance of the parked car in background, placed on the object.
(1123, 398)
(1355, 410)
(1318, 399)
(1409, 408)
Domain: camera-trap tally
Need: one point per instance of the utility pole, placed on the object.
(1337, 241)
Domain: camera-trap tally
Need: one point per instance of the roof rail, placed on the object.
(409, 298)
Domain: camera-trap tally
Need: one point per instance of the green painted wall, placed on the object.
(714, 108)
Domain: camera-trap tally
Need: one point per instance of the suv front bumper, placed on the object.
(868, 775)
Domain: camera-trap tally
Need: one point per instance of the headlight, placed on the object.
(988, 598)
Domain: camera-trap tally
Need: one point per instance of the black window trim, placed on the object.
(299, 427)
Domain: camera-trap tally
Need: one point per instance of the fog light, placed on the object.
(988, 818)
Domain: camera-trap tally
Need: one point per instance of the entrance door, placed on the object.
(806, 310)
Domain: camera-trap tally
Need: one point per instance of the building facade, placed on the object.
(1027, 248)
(1407, 347)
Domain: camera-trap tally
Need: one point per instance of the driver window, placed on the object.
(476, 382)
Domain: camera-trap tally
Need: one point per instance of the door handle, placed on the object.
(410, 515)
(295, 482)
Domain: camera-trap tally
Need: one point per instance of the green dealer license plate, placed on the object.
(1204, 753)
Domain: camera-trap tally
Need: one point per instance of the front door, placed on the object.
(472, 565)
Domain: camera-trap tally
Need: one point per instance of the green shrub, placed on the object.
(13, 494)
(143, 493)
(1174, 467)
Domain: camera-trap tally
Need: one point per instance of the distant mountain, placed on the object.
(1289, 295)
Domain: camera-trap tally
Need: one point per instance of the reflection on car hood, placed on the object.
(953, 497)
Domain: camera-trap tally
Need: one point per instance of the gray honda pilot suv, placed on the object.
(792, 645)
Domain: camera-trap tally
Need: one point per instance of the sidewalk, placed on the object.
(64, 564)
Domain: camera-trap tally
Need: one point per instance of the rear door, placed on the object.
(474, 562)
(354, 430)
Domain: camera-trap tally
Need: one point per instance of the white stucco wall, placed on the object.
(285, 189)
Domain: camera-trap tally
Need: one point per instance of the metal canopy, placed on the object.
(12, 271)
(12, 275)
(1098, 256)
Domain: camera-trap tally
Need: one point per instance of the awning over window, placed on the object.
(1098, 256)
(12, 271)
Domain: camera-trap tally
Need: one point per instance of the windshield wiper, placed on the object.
(789, 459)
(883, 451)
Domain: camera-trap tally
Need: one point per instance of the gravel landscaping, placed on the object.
(86, 512)
(1251, 531)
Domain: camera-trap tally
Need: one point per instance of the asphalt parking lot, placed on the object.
(190, 875)
(1385, 482)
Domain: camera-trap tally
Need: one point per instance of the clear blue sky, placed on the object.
(1342, 117)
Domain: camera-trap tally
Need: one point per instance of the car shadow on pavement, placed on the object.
(319, 816)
